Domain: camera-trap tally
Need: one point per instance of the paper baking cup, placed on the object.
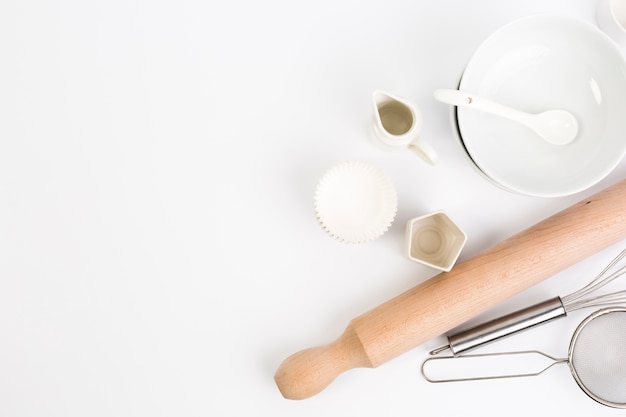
(355, 202)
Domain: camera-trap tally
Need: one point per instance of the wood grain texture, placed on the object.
(470, 288)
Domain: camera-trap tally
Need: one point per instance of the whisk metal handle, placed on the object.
(504, 326)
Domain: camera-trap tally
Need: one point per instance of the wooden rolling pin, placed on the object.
(451, 298)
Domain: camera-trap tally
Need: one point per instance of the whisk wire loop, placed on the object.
(578, 300)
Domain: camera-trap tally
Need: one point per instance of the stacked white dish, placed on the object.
(535, 64)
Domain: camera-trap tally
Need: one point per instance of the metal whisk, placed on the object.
(542, 312)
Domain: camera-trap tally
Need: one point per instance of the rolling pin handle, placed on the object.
(309, 371)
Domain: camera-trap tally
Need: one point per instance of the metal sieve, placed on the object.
(596, 358)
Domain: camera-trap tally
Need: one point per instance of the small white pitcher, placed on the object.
(398, 123)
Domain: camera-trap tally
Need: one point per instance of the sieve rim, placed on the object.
(570, 355)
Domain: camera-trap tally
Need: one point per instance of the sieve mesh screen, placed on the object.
(598, 357)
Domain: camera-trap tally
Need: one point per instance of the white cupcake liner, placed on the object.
(355, 202)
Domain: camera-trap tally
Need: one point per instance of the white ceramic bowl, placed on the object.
(535, 64)
(611, 18)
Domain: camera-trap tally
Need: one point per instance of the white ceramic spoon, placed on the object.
(558, 127)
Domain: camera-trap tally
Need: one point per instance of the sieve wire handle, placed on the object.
(504, 326)
(485, 355)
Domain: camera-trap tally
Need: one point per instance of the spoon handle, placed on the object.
(463, 99)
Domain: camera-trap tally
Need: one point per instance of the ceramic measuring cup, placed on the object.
(397, 123)
(434, 240)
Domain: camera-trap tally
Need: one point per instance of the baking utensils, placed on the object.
(470, 288)
(521, 64)
(558, 127)
(596, 358)
(397, 123)
(434, 240)
(541, 313)
(355, 202)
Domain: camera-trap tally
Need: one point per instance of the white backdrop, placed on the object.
(159, 254)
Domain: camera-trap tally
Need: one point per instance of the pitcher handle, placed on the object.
(424, 150)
